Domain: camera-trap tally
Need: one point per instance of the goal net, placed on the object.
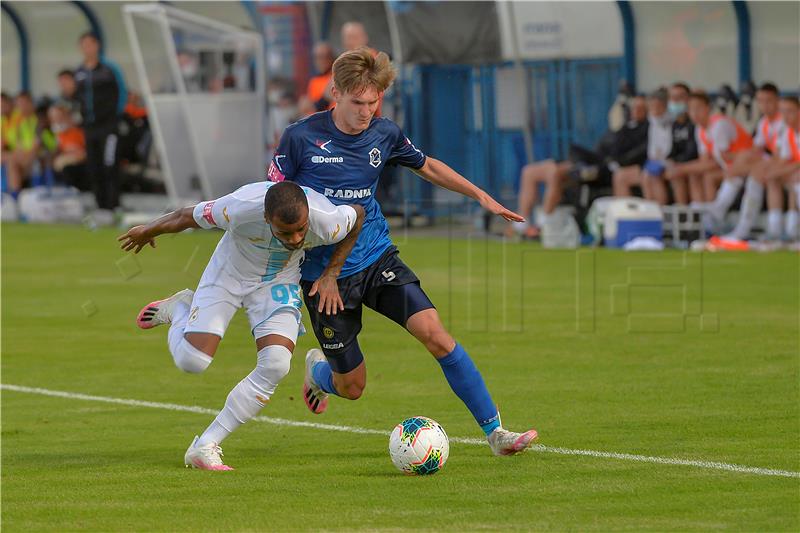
(203, 82)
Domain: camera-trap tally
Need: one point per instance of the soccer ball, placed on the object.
(418, 446)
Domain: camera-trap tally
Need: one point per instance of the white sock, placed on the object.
(544, 218)
(751, 206)
(519, 227)
(774, 223)
(250, 395)
(726, 195)
(791, 225)
(797, 193)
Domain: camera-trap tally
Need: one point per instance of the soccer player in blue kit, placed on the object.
(340, 153)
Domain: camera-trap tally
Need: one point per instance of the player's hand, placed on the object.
(135, 239)
(329, 299)
(491, 205)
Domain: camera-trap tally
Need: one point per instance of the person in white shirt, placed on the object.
(659, 146)
(256, 265)
(719, 139)
(781, 171)
(746, 162)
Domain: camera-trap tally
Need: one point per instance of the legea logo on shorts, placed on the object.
(334, 346)
(326, 159)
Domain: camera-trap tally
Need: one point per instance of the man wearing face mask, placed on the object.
(659, 145)
(684, 147)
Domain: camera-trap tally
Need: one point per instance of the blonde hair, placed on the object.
(356, 70)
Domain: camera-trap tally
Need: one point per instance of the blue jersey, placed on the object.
(314, 153)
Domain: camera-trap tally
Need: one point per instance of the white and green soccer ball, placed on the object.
(419, 446)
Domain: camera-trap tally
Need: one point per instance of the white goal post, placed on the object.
(203, 82)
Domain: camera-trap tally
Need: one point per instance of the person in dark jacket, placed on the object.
(684, 145)
(102, 94)
(627, 146)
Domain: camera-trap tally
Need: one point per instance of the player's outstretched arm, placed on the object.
(330, 300)
(140, 236)
(439, 173)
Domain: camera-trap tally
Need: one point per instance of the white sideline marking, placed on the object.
(712, 465)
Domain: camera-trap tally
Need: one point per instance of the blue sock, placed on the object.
(323, 376)
(467, 383)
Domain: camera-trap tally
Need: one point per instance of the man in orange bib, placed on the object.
(754, 160)
(781, 170)
(719, 139)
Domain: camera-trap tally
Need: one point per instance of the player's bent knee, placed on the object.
(274, 363)
(190, 359)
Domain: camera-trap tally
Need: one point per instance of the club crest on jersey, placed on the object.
(375, 157)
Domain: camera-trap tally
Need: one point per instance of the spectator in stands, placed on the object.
(47, 139)
(779, 171)
(718, 139)
(9, 116)
(748, 161)
(318, 94)
(68, 93)
(684, 147)
(22, 142)
(354, 36)
(659, 146)
(628, 146)
(189, 65)
(103, 96)
(69, 161)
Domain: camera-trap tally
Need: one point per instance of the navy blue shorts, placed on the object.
(387, 286)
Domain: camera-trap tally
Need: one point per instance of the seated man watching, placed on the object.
(70, 156)
(659, 146)
(718, 138)
(626, 146)
(748, 162)
(684, 147)
(781, 170)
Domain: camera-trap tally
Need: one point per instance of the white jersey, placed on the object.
(768, 132)
(784, 148)
(659, 137)
(248, 253)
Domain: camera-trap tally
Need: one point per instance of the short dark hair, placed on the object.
(285, 200)
(5, 95)
(659, 94)
(25, 94)
(700, 95)
(791, 99)
(89, 35)
(65, 72)
(682, 85)
(769, 87)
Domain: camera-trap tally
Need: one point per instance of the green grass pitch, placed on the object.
(669, 355)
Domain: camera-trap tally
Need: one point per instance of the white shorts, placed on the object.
(272, 308)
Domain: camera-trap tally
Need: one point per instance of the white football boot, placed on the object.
(208, 457)
(505, 442)
(160, 311)
(316, 399)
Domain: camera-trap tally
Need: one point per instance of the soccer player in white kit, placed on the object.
(256, 265)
